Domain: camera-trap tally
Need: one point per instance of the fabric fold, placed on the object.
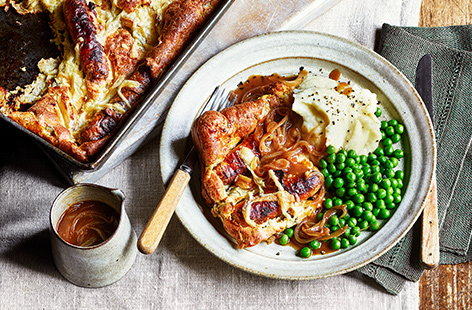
(451, 49)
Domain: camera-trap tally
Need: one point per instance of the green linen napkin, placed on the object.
(451, 49)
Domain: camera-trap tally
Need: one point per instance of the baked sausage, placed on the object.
(80, 21)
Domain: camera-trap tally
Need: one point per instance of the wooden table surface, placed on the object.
(448, 286)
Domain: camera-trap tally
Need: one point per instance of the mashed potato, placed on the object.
(346, 119)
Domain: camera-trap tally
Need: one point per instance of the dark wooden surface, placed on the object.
(448, 286)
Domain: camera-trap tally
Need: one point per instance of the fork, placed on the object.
(157, 223)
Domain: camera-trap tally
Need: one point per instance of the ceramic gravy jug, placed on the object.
(98, 265)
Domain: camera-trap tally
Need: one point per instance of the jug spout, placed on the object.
(118, 194)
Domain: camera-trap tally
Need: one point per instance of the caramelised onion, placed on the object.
(309, 230)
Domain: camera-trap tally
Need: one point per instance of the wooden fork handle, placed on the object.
(430, 230)
(157, 223)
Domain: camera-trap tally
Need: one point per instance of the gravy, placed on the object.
(87, 223)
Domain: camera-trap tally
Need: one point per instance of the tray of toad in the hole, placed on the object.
(77, 75)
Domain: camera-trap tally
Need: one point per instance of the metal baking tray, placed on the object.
(142, 107)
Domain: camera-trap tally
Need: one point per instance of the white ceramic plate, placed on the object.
(284, 53)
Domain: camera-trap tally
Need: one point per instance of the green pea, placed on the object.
(366, 170)
(371, 157)
(352, 240)
(330, 149)
(380, 204)
(396, 138)
(328, 203)
(374, 226)
(382, 159)
(352, 154)
(315, 244)
(350, 162)
(347, 233)
(397, 198)
(357, 211)
(362, 187)
(350, 177)
(393, 122)
(344, 243)
(352, 222)
(389, 150)
(390, 131)
(384, 214)
(381, 193)
(337, 173)
(340, 166)
(385, 183)
(375, 212)
(289, 232)
(352, 192)
(347, 170)
(340, 158)
(305, 252)
(373, 188)
(331, 158)
(383, 124)
(390, 205)
(359, 198)
(329, 181)
(375, 169)
(387, 142)
(372, 197)
(368, 216)
(319, 216)
(341, 192)
(284, 239)
(323, 163)
(389, 198)
(343, 151)
(379, 151)
(367, 206)
(355, 231)
(337, 202)
(400, 183)
(334, 220)
(342, 222)
(389, 173)
(388, 165)
(399, 174)
(363, 225)
(363, 159)
(394, 183)
(331, 168)
(390, 191)
(350, 184)
(376, 178)
(325, 172)
(375, 163)
(383, 135)
(358, 173)
(398, 154)
(335, 244)
(338, 182)
(399, 129)
(349, 204)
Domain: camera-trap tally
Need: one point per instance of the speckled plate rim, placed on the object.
(423, 154)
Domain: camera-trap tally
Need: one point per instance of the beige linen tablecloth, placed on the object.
(182, 274)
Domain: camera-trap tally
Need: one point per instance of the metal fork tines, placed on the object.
(218, 101)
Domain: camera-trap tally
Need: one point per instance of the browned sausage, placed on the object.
(106, 120)
(80, 23)
(180, 21)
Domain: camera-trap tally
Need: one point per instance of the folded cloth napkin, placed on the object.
(451, 49)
